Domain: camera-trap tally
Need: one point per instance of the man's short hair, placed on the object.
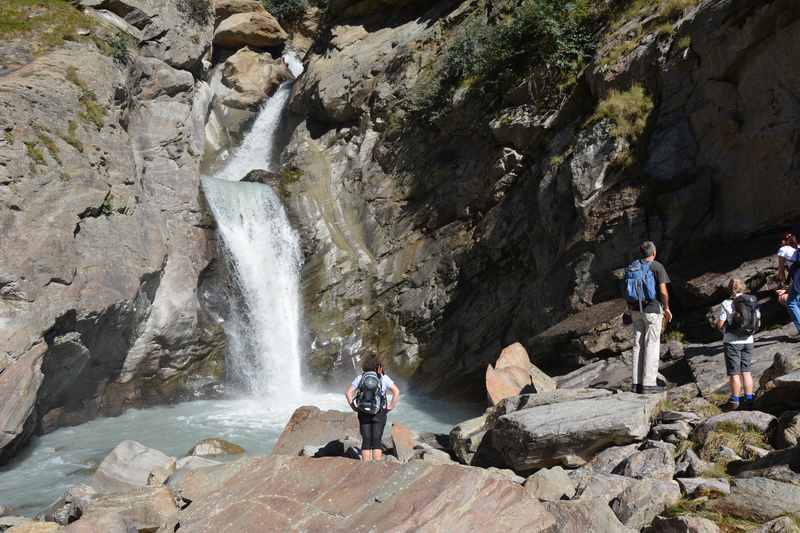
(647, 248)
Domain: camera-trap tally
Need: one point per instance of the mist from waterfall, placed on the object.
(263, 253)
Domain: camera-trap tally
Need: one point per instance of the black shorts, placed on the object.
(738, 358)
(372, 430)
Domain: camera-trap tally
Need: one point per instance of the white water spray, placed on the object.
(264, 329)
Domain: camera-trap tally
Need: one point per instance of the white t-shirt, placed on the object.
(386, 383)
(726, 314)
(787, 252)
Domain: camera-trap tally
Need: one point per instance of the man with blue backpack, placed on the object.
(645, 290)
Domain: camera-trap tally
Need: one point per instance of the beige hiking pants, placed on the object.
(646, 347)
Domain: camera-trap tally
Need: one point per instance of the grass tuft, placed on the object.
(34, 152)
(628, 111)
(45, 24)
(49, 144)
(734, 437)
(71, 136)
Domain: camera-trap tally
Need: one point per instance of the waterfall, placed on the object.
(263, 250)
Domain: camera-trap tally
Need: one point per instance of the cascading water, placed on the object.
(263, 249)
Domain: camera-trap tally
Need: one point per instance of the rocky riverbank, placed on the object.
(559, 460)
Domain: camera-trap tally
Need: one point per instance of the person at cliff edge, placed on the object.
(368, 396)
(645, 289)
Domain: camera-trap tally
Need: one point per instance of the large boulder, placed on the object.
(144, 508)
(215, 446)
(403, 441)
(330, 494)
(517, 356)
(550, 484)
(639, 504)
(571, 433)
(18, 388)
(225, 8)
(654, 463)
(256, 29)
(128, 466)
(782, 364)
(760, 499)
(309, 425)
(784, 395)
(506, 382)
(252, 77)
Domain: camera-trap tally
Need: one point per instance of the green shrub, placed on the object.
(119, 49)
(286, 10)
(71, 136)
(628, 111)
(551, 33)
(92, 112)
(685, 42)
(8, 136)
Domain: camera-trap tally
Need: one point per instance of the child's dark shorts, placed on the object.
(738, 358)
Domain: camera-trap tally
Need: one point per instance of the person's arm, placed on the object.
(395, 396)
(722, 319)
(349, 395)
(663, 295)
(781, 270)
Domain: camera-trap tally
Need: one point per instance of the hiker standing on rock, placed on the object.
(367, 395)
(786, 255)
(739, 318)
(645, 289)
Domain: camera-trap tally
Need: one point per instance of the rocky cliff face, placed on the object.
(439, 234)
(103, 233)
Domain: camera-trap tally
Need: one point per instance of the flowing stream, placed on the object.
(264, 349)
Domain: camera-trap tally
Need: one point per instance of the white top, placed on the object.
(726, 314)
(386, 383)
(787, 252)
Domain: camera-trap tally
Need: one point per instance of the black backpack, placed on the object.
(370, 398)
(744, 321)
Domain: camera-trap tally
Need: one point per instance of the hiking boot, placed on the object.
(652, 389)
(635, 388)
(730, 405)
(746, 405)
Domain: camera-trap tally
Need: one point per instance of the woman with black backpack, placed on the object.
(368, 396)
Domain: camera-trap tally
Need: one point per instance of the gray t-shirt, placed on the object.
(661, 276)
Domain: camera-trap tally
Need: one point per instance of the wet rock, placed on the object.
(695, 487)
(402, 442)
(655, 463)
(760, 499)
(442, 496)
(784, 395)
(215, 446)
(741, 420)
(550, 484)
(129, 465)
(571, 433)
(573, 516)
(104, 523)
(310, 425)
(18, 388)
(256, 29)
(639, 504)
(251, 77)
(684, 524)
(779, 525)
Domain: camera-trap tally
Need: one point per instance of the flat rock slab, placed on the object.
(283, 493)
(311, 426)
(639, 504)
(129, 465)
(571, 433)
(760, 499)
(701, 486)
(583, 515)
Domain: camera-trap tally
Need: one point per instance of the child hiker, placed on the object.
(739, 318)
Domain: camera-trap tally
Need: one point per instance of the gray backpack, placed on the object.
(370, 398)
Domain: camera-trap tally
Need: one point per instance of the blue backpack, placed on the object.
(639, 283)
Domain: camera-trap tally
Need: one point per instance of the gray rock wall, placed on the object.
(437, 240)
(104, 235)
